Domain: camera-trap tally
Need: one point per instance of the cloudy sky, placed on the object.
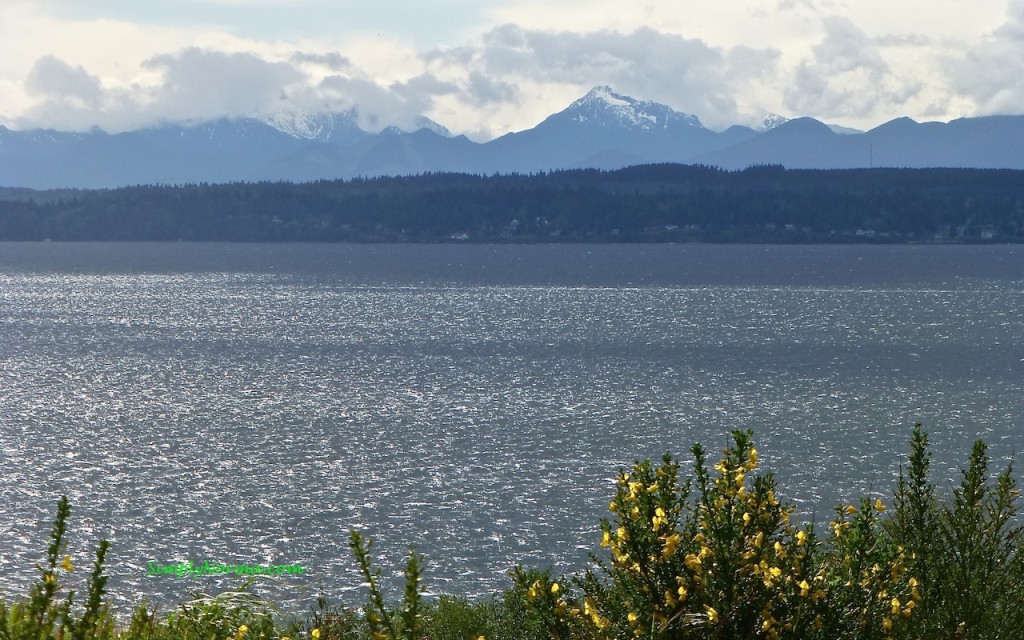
(487, 67)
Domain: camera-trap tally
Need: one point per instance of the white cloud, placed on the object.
(991, 73)
(55, 79)
(73, 66)
(686, 73)
(199, 84)
(846, 76)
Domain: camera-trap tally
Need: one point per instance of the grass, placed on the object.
(710, 554)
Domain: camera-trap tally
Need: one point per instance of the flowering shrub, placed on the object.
(719, 556)
(713, 556)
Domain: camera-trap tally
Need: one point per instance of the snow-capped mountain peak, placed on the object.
(607, 95)
(338, 126)
(772, 120)
(603, 106)
(307, 125)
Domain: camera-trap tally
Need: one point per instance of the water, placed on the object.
(253, 403)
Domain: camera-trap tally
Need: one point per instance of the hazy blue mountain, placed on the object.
(603, 126)
(799, 142)
(390, 152)
(805, 143)
(219, 151)
(602, 129)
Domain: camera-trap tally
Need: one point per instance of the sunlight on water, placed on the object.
(256, 417)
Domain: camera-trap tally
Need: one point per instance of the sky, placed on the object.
(484, 68)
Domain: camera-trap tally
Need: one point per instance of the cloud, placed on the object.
(200, 84)
(846, 75)
(54, 79)
(378, 107)
(856, 63)
(482, 90)
(991, 73)
(333, 60)
(687, 73)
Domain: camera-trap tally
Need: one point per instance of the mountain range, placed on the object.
(603, 129)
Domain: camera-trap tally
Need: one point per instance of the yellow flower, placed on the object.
(606, 538)
(879, 506)
(242, 630)
(66, 564)
(850, 510)
(560, 608)
(670, 546)
(887, 624)
(712, 614)
(693, 563)
(315, 633)
(801, 538)
(753, 456)
(895, 605)
(555, 588)
(631, 617)
(804, 587)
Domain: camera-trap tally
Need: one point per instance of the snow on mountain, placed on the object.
(320, 126)
(423, 122)
(601, 129)
(337, 126)
(771, 121)
(604, 106)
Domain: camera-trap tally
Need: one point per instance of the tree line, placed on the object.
(649, 203)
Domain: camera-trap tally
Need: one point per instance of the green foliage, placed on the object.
(714, 555)
(717, 556)
(967, 552)
(382, 622)
(44, 614)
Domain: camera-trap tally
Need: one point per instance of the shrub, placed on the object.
(967, 552)
(45, 613)
(713, 556)
(718, 556)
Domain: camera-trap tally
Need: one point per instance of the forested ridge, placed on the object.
(650, 203)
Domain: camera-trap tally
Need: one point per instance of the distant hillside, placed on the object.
(603, 129)
(651, 203)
